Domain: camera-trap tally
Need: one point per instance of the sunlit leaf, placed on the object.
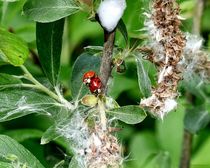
(13, 50)
(129, 114)
(49, 10)
(49, 45)
(89, 100)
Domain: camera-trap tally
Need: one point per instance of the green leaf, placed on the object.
(21, 135)
(9, 0)
(74, 163)
(89, 100)
(143, 78)
(170, 132)
(49, 10)
(129, 114)
(15, 152)
(60, 164)
(110, 103)
(18, 103)
(196, 119)
(6, 79)
(143, 145)
(130, 84)
(49, 45)
(50, 134)
(201, 156)
(193, 84)
(6, 165)
(163, 160)
(13, 50)
(84, 63)
(123, 30)
(159, 160)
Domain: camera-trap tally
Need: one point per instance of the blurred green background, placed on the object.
(151, 142)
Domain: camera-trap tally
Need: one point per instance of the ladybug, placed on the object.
(88, 76)
(95, 85)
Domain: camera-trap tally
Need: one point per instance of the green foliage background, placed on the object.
(152, 141)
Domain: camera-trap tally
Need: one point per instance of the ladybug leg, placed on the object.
(99, 91)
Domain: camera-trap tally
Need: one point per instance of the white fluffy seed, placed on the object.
(170, 104)
(96, 140)
(110, 12)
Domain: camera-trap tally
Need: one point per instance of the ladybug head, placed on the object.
(88, 76)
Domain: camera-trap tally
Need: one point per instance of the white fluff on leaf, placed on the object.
(159, 108)
(110, 12)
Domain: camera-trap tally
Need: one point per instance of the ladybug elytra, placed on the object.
(95, 85)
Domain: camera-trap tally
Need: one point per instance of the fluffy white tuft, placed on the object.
(159, 109)
(193, 44)
(170, 104)
(110, 12)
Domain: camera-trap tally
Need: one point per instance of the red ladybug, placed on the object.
(88, 76)
(95, 85)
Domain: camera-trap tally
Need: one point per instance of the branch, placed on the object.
(186, 150)
(106, 61)
(105, 71)
(188, 137)
(197, 16)
(39, 86)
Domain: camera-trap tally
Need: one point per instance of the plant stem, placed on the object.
(105, 72)
(197, 16)
(106, 61)
(38, 85)
(187, 136)
(32, 86)
(186, 150)
(102, 114)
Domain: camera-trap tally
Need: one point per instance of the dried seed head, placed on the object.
(104, 150)
(167, 43)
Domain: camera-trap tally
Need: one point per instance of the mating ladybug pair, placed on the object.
(91, 80)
